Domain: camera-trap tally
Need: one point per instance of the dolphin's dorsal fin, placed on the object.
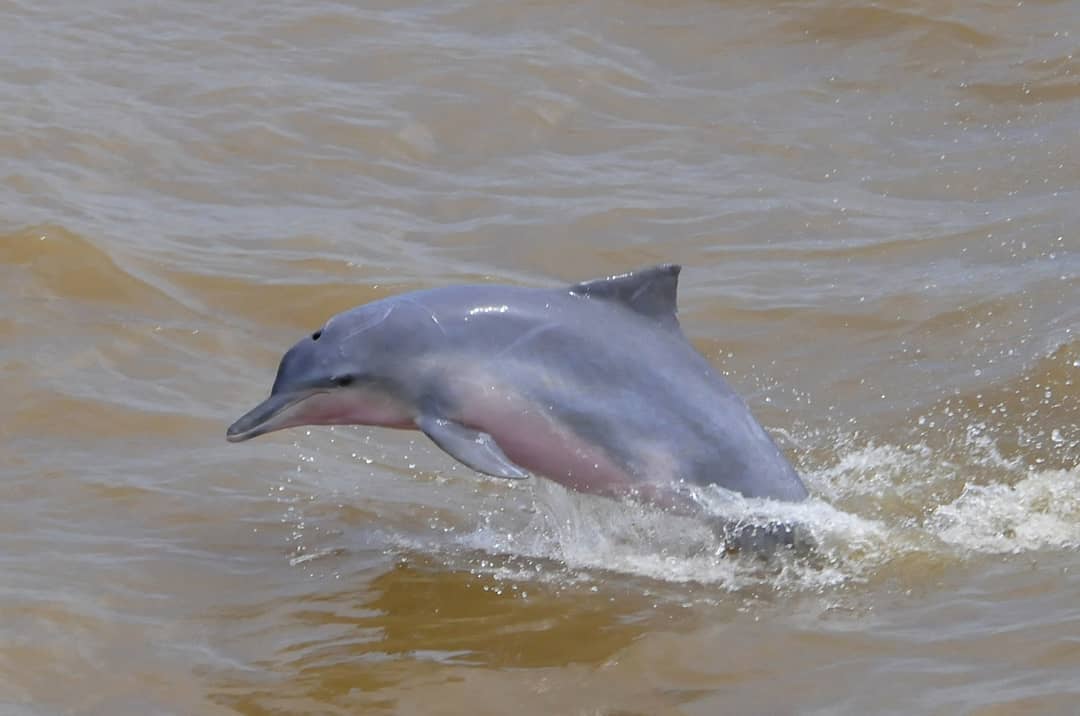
(648, 291)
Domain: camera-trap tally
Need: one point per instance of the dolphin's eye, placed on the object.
(343, 381)
(315, 336)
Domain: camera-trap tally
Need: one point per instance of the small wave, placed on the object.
(57, 264)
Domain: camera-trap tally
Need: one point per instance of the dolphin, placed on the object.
(593, 385)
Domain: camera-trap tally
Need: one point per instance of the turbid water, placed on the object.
(877, 208)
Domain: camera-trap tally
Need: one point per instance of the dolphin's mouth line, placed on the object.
(263, 417)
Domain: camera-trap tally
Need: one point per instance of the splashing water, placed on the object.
(871, 506)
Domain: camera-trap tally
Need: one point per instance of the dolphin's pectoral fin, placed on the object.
(473, 448)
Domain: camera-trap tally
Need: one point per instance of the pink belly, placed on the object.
(352, 407)
(534, 440)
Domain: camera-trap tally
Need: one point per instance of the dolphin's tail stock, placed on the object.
(761, 536)
(764, 539)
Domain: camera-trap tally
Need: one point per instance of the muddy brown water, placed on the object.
(877, 208)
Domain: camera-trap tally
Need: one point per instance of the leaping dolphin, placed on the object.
(594, 386)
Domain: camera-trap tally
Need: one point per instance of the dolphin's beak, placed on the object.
(266, 417)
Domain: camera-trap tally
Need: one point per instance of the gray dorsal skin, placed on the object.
(593, 386)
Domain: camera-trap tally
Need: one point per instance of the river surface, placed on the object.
(877, 207)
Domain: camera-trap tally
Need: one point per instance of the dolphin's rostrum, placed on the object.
(593, 386)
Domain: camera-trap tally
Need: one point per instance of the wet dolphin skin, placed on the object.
(593, 386)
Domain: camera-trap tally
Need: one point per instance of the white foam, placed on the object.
(1040, 511)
